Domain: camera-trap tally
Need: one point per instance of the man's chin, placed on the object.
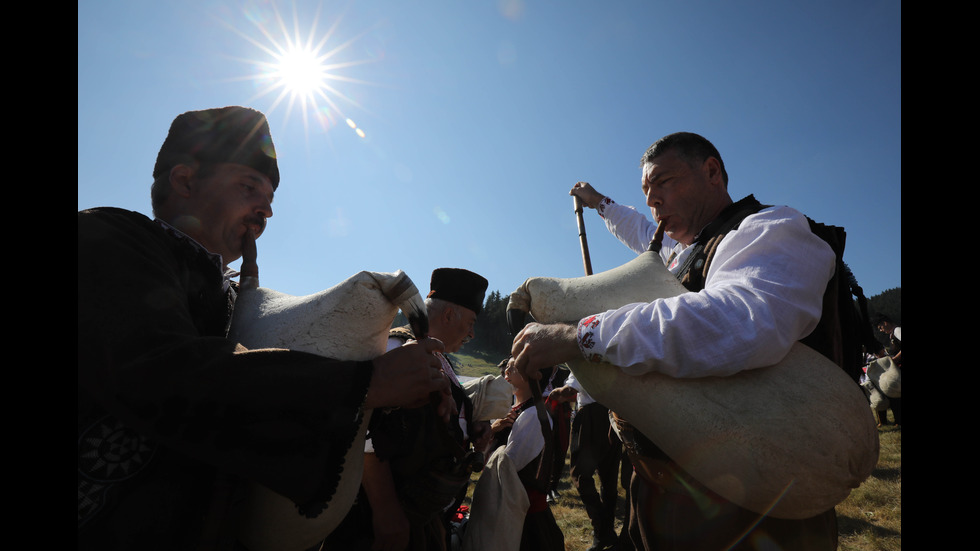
(231, 255)
(454, 349)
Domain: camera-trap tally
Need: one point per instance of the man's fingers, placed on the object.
(538, 346)
(407, 376)
(523, 361)
(519, 341)
(433, 345)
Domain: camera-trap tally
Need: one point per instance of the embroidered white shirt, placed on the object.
(763, 292)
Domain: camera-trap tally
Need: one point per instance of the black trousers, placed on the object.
(594, 452)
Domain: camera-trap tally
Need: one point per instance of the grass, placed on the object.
(870, 519)
(472, 365)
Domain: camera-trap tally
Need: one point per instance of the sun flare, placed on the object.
(302, 69)
(300, 72)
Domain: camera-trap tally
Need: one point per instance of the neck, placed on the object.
(522, 394)
(726, 212)
(181, 229)
(711, 213)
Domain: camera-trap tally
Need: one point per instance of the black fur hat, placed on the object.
(459, 286)
(232, 134)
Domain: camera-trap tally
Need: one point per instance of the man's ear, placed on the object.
(712, 171)
(180, 179)
(447, 315)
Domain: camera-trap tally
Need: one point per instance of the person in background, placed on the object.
(524, 445)
(416, 465)
(561, 415)
(876, 399)
(894, 333)
(595, 451)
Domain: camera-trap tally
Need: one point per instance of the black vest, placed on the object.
(839, 333)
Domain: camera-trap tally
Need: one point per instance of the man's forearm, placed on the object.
(378, 483)
(391, 528)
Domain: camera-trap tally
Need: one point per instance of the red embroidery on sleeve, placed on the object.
(601, 207)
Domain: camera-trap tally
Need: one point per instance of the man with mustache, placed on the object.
(756, 278)
(173, 416)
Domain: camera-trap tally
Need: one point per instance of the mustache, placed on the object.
(257, 221)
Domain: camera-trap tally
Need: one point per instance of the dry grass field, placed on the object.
(870, 519)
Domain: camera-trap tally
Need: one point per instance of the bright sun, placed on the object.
(300, 70)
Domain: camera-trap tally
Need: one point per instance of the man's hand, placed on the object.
(563, 394)
(501, 424)
(538, 346)
(589, 196)
(407, 376)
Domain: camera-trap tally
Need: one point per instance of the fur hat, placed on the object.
(458, 286)
(233, 134)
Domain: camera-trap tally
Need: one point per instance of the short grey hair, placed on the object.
(435, 306)
(690, 147)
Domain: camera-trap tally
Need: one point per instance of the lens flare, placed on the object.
(441, 214)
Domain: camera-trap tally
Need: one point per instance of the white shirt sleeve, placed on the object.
(763, 292)
(525, 441)
(628, 225)
(582, 398)
(632, 227)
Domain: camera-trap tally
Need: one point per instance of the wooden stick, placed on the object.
(586, 260)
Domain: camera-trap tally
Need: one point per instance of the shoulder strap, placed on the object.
(695, 269)
(845, 325)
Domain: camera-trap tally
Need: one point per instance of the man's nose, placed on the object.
(265, 209)
(260, 218)
(653, 200)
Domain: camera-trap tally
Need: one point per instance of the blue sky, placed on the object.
(456, 128)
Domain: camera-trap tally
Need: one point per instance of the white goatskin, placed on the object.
(349, 321)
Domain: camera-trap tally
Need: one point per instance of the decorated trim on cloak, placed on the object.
(109, 453)
(343, 438)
